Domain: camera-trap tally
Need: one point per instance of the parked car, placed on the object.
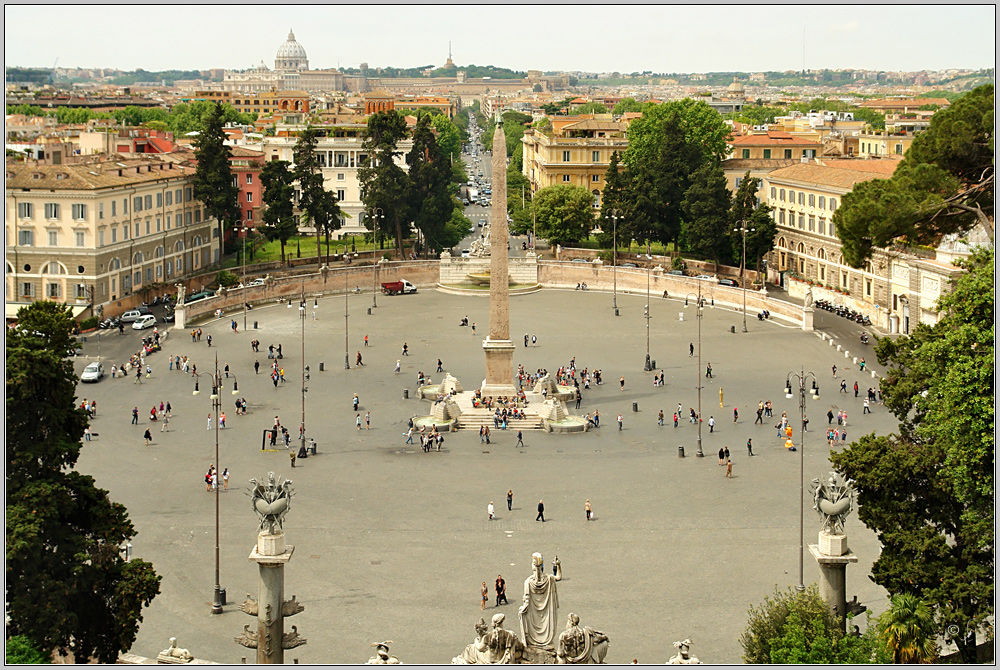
(144, 322)
(579, 260)
(200, 295)
(466, 253)
(134, 314)
(729, 282)
(679, 273)
(93, 372)
(259, 281)
(629, 265)
(708, 277)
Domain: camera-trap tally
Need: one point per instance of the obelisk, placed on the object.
(497, 345)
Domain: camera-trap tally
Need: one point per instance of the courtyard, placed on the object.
(393, 543)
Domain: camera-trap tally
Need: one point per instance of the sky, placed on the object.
(577, 37)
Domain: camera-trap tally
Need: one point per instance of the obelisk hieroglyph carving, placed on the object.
(497, 345)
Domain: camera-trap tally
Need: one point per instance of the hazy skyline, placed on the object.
(604, 38)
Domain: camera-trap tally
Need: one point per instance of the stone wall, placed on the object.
(797, 291)
(455, 269)
(696, 267)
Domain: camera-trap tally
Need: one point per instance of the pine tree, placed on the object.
(430, 195)
(67, 586)
(307, 172)
(213, 177)
(279, 216)
(706, 207)
(384, 184)
(757, 218)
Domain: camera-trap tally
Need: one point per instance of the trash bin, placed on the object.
(369, 311)
(406, 394)
(680, 451)
(635, 407)
(255, 325)
(322, 366)
(222, 596)
(616, 311)
(732, 329)
(653, 365)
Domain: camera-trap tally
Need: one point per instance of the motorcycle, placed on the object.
(865, 321)
(864, 338)
(581, 287)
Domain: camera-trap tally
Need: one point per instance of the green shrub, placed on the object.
(677, 263)
(227, 279)
(20, 650)
(88, 323)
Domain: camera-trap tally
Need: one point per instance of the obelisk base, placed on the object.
(499, 368)
(833, 555)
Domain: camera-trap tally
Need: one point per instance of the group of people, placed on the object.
(212, 478)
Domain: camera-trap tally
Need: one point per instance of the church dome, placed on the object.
(291, 55)
(736, 88)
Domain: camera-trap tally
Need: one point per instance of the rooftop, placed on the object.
(826, 175)
(110, 173)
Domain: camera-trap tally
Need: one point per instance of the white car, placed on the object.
(93, 372)
(144, 322)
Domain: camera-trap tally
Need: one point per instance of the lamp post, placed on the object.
(244, 230)
(375, 219)
(801, 376)
(305, 368)
(216, 405)
(615, 213)
(743, 229)
(701, 453)
(649, 260)
(347, 352)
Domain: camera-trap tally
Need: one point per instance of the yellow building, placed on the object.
(268, 102)
(577, 152)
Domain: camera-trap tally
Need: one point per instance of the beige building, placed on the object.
(897, 288)
(576, 153)
(94, 232)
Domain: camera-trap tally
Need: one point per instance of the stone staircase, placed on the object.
(475, 418)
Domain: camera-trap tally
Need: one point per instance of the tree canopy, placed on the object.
(565, 213)
(67, 586)
(928, 491)
(213, 177)
(279, 216)
(384, 184)
(707, 204)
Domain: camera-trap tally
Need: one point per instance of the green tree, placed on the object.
(758, 218)
(565, 213)
(213, 177)
(627, 105)
(612, 197)
(429, 188)
(706, 208)
(944, 185)
(907, 628)
(20, 651)
(329, 214)
(928, 492)
(312, 199)
(518, 201)
(385, 184)
(591, 108)
(67, 585)
(279, 216)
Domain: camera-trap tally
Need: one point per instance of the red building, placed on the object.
(246, 165)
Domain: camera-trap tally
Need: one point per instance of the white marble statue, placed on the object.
(382, 656)
(540, 607)
(683, 656)
(581, 645)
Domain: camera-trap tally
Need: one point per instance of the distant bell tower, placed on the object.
(449, 62)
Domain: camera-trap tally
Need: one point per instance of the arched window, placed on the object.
(115, 264)
(54, 268)
(179, 246)
(597, 198)
(801, 248)
(158, 252)
(196, 242)
(821, 255)
(10, 268)
(781, 243)
(137, 258)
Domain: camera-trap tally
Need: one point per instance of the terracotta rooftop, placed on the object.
(85, 176)
(894, 103)
(884, 166)
(243, 152)
(772, 138)
(825, 175)
(757, 163)
(591, 124)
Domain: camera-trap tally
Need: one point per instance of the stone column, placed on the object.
(497, 345)
(833, 555)
(270, 555)
(807, 318)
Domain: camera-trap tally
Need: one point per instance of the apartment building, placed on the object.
(94, 232)
(900, 287)
(261, 102)
(246, 165)
(772, 144)
(577, 152)
(340, 153)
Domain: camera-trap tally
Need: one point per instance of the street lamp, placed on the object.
(801, 376)
(305, 368)
(216, 405)
(743, 229)
(375, 218)
(244, 231)
(701, 453)
(615, 213)
(649, 260)
(347, 352)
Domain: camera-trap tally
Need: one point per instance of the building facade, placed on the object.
(94, 232)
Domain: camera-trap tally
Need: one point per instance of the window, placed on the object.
(341, 195)
(781, 216)
(159, 199)
(812, 200)
(81, 292)
(80, 238)
(791, 196)
(187, 194)
(341, 176)
(565, 157)
(781, 195)
(595, 156)
(788, 153)
(28, 289)
(127, 283)
(739, 180)
(114, 208)
(137, 203)
(833, 229)
(159, 271)
(822, 226)
(822, 202)
(177, 220)
(767, 153)
(249, 215)
(187, 218)
(25, 210)
(177, 196)
(812, 224)
(249, 178)
(136, 230)
(114, 235)
(868, 287)
(125, 232)
(137, 278)
(565, 177)
(833, 204)
(100, 238)
(746, 153)
(53, 290)
(79, 212)
(773, 190)
(157, 224)
(52, 210)
(802, 222)
(149, 274)
(53, 238)
(596, 178)
(100, 210)
(197, 216)
(899, 149)
(249, 196)
(124, 206)
(802, 198)
(170, 198)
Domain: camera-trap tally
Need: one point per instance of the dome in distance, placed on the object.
(736, 87)
(291, 48)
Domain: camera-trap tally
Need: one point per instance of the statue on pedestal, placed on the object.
(808, 301)
(497, 647)
(683, 656)
(382, 656)
(538, 611)
(271, 501)
(173, 654)
(581, 645)
(833, 501)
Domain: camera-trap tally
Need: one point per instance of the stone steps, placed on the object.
(529, 423)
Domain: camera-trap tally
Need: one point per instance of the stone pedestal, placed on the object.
(499, 368)
(270, 555)
(832, 554)
(807, 318)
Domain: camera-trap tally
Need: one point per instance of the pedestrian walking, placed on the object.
(691, 350)
(473, 327)
(86, 433)
(749, 446)
(366, 340)
(439, 368)
(834, 371)
(209, 425)
(659, 420)
(736, 414)
(135, 415)
(138, 376)
(396, 370)
(510, 499)
(725, 451)
(485, 596)
(622, 382)
(406, 349)
(409, 435)
(225, 479)
(676, 419)
(621, 420)
(729, 469)
(711, 424)
(867, 409)
(368, 420)
(163, 426)
(222, 420)
(489, 510)
(588, 510)
(722, 456)
(541, 512)
(708, 371)
(520, 440)
(501, 590)
(209, 338)
(357, 420)
(147, 436)
(357, 361)
(291, 457)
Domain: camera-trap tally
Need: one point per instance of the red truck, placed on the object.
(396, 287)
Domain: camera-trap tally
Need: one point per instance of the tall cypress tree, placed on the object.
(430, 196)
(310, 177)
(279, 216)
(384, 184)
(213, 176)
(67, 586)
(613, 197)
(706, 207)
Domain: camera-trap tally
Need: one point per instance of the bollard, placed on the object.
(84, 338)
(255, 325)
(680, 451)
(635, 407)
(406, 394)
(680, 316)
(847, 354)
(322, 366)
(222, 596)
(855, 360)
(732, 329)
(831, 341)
(369, 311)
(838, 347)
(616, 311)
(652, 364)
